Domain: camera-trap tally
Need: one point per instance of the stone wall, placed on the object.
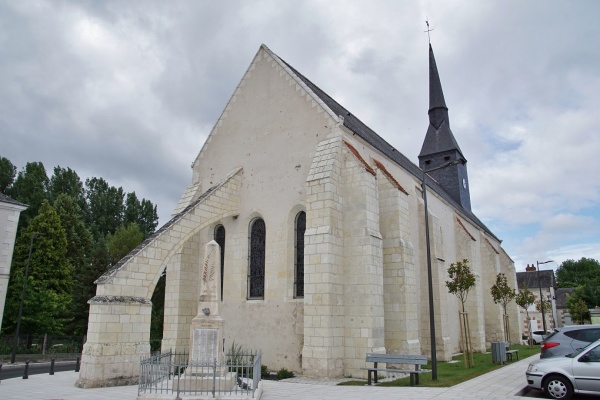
(9, 219)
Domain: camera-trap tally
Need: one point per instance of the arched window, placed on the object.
(300, 228)
(256, 269)
(220, 239)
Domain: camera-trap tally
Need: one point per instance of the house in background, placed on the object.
(10, 211)
(533, 279)
(563, 317)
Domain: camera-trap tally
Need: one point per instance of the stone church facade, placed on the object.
(322, 233)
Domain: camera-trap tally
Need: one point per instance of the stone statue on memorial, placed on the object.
(206, 344)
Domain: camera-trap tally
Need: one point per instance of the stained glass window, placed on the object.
(220, 239)
(300, 228)
(256, 270)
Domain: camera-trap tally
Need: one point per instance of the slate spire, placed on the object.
(440, 146)
(438, 112)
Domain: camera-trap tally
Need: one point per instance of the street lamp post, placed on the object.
(16, 341)
(429, 274)
(541, 297)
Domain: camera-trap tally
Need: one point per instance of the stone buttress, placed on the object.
(399, 268)
(120, 313)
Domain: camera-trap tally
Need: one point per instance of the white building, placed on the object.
(10, 211)
(321, 224)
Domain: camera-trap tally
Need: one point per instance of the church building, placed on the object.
(321, 225)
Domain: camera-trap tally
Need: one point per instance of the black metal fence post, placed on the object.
(52, 367)
(214, 380)
(26, 371)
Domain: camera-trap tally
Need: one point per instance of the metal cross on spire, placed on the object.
(428, 30)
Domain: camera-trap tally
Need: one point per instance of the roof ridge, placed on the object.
(355, 125)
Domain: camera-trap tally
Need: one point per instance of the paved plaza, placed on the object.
(501, 384)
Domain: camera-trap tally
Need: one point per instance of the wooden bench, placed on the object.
(416, 360)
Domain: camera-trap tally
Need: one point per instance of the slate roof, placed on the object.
(439, 137)
(358, 127)
(530, 279)
(561, 295)
(5, 199)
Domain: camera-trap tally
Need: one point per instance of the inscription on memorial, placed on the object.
(205, 347)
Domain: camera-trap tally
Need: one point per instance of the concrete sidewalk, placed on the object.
(501, 384)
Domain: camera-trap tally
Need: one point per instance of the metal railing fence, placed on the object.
(172, 373)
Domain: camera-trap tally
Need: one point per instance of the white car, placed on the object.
(538, 336)
(560, 377)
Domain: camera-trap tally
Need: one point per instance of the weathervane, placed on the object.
(428, 30)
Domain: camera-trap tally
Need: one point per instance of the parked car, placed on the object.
(560, 377)
(569, 339)
(538, 336)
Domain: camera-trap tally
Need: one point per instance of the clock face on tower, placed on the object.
(464, 183)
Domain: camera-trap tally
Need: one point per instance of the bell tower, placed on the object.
(440, 146)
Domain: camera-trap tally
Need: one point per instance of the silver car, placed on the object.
(560, 377)
(569, 339)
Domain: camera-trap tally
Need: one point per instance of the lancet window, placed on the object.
(220, 239)
(300, 228)
(256, 268)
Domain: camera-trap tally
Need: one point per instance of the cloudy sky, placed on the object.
(129, 90)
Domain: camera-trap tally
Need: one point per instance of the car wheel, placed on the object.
(558, 387)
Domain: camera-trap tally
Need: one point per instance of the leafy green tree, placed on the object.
(133, 208)
(462, 280)
(105, 207)
(85, 278)
(143, 213)
(49, 284)
(79, 237)
(148, 220)
(545, 305)
(580, 313)
(503, 294)
(7, 174)
(79, 252)
(524, 299)
(576, 273)
(30, 187)
(588, 293)
(126, 238)
(66, 181)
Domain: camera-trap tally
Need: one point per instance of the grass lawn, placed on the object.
(450, 374)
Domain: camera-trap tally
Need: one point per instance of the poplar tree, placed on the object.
(66, 181)
(30, 188)
(7, 174)
(105, 207)
(79, 253)
(47, 299)
(143, 213)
